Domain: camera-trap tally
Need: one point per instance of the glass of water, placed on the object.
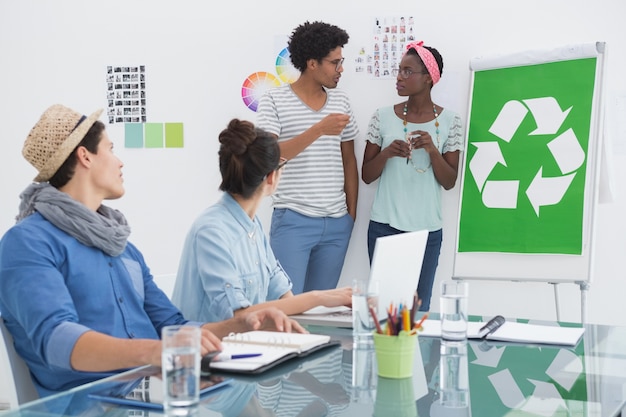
(180, 362)
(454, 310)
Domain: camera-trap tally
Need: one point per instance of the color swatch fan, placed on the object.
(285, 69)
(255, 86)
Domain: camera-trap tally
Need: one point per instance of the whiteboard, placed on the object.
(494, 215)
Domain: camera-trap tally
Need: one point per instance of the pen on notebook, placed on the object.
(228, 357)
(491, 326)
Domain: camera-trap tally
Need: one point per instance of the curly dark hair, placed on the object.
(314, 40)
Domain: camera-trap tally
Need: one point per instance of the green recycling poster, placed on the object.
(526, 159)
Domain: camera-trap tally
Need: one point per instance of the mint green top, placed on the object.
(406, 199)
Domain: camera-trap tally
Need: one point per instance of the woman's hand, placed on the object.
(399, 148)
(420, 139)
(337, 297)
(271, 318)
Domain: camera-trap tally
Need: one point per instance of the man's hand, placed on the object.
(209, 342)
(333, 124)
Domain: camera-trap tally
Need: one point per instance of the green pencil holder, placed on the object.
(395, 354)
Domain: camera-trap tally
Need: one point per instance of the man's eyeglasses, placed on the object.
(406, 73)
(338, 63)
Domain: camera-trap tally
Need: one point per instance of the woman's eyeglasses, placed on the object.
(406, 73)
(281, 164)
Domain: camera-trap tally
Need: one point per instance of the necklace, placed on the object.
(405, 110)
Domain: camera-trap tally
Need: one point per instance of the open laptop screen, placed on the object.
(396, 266)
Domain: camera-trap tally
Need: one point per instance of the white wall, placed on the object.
(197, 59)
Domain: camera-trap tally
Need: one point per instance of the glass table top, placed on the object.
(498, 379)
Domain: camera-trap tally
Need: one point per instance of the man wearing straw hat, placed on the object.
(77, 297)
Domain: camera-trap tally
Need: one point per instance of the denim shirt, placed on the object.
(53, 289)
(227, 264)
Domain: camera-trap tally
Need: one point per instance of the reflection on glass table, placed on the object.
(503, 379)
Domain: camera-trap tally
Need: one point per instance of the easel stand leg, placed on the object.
(556, 301)
(584, 287)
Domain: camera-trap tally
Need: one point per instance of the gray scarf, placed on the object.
(105, 229)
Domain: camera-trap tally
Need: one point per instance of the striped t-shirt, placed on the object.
(312, 183)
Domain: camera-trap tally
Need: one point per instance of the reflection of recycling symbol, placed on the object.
(565, 149)
(545, 399)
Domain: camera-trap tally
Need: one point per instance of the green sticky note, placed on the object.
(154, 135)
(174, 135)
(133, 135)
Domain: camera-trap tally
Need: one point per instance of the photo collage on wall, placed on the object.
(390, 36)
(126, 98)
(126, 94)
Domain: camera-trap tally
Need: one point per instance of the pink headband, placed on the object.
(427, 58)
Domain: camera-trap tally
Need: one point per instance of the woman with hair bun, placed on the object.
(227, 265)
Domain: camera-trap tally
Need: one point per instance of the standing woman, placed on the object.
(227, 267)
(413, 147)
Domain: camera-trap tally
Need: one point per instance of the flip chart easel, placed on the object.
(529, 184)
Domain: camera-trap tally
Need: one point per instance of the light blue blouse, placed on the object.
(227, 264)
(406, 199)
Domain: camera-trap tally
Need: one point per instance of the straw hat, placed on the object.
(54, 137)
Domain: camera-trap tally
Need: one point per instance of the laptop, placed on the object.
(396, 265)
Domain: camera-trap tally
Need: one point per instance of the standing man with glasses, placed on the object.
(315, 203)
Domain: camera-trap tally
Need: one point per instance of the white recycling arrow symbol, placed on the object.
(565, 148)
(545, 400)
(487, 156)
(490, 357)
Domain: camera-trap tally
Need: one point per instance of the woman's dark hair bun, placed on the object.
(237, 136)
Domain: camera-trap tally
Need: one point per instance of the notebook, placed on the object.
(515, 332)
(274, 347)
(396, 265)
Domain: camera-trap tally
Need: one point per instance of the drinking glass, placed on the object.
(180, 362)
